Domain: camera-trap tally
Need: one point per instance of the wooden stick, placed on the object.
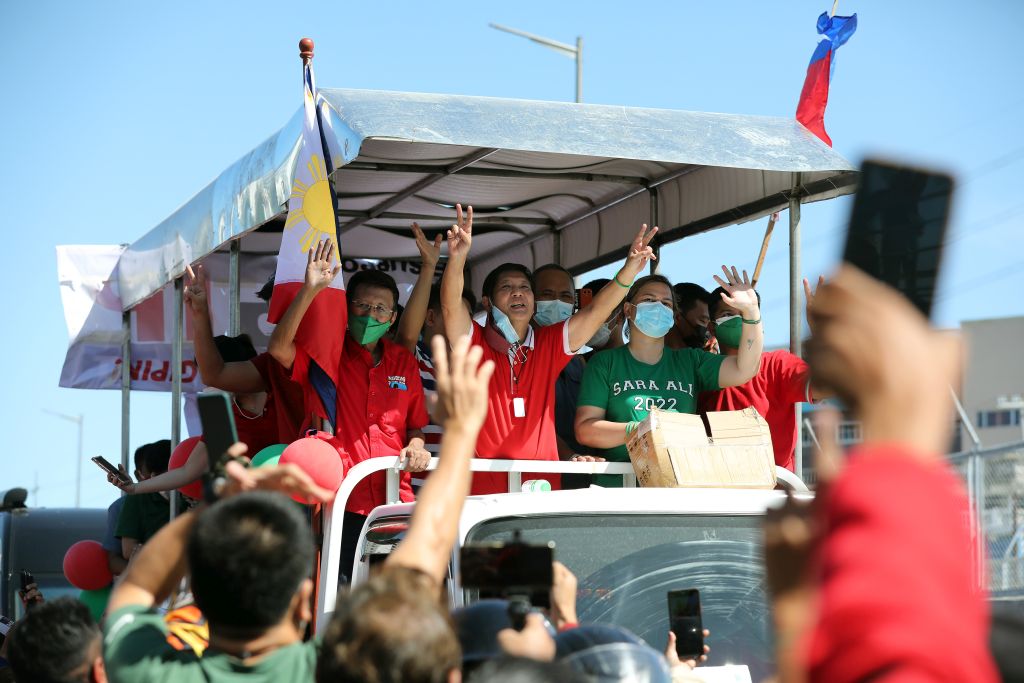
(835, 6)
(764, 248)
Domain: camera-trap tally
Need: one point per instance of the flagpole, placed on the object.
(764, 249)
(835, 6)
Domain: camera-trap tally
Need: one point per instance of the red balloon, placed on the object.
(85, 566)
(317, 458)
(178, 459)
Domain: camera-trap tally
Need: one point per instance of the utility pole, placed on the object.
(562, 48)
(79, 420)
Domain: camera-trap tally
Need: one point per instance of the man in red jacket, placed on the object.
(888, 594)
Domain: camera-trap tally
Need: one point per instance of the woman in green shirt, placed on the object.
(622, 385)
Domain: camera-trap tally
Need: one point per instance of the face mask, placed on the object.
(654, 319)
(551, 312)
(697, 339)
(504, 325)
(729, 330)
(367, 330)
(600, 337)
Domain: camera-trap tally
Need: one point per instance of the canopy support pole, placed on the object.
(795, 307)
(234, 288)
(177, 331)
(126, 386)
(655, 264)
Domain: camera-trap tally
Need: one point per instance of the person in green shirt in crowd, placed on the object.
(621, 386)
(143, 514)
(248, 558)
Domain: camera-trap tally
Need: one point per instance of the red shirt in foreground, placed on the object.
(284, 400)
(532, 436)
(780, 384)
(377, 406)
(897, 602)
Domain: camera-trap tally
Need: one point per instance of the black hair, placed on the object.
(267, 290)
(373, 278)
(234, 349)
(491, 281)
(597, 285)
(552, 266)
(52, 641)
(434, 301)
(646, 280)
(715, 299)
(688, 295)
(248, 556)
(154, 456)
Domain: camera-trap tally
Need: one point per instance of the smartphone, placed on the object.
(586, 296)
(26, 579)
(898, 228)
(219, 434)
(109, 468)
(504, 570)
(684, 620)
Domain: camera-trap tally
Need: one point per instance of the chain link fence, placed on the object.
(995, 482)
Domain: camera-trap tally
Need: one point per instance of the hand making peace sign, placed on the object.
(460, 237)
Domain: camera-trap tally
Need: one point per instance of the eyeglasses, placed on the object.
(378, 311)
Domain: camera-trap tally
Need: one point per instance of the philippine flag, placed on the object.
(810, 111)
(311, 218)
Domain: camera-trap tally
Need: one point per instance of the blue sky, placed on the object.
(116, 113)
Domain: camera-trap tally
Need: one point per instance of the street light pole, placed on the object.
(79, 420)
(563, 48)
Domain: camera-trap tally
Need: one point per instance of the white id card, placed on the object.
(519, 406)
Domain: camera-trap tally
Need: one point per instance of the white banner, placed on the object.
(92, 311)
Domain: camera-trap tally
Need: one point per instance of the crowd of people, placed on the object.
(872, 581)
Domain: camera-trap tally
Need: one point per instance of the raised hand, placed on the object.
(684, 665)
(195, 291)
(319, 273)
(462, 383)
(739, 293)
(288, 479)
(430, 254)
(460, 237)
(640, 253)
(125, 484)
(809, 299)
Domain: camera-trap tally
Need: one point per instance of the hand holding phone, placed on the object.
(684, 619)
(109, 468)
(219, 434)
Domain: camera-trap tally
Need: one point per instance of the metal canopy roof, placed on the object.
(548, 181)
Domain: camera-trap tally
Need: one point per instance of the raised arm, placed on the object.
(462, 383)
(585, 322)
(319, 275)
(739, 294)
(192, 470)
(411, 323)
(456, 320)
(241, 377)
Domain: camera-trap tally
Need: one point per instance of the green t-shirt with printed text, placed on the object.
(627, 389)
(135, 648)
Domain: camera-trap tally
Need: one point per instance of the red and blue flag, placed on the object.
(810, 111)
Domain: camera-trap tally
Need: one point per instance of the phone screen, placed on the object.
(500, 570)
(685, 621)
(898, 227)
(219, 431)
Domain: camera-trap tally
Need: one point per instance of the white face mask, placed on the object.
(551, 312)
(601, 337)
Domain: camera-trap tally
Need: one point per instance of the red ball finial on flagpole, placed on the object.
(306, 49)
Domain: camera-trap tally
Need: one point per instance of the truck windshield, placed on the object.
(627, 563)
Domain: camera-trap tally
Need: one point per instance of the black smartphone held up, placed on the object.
(684, 620)
(109, 468)
(219, 434)
(507, 570)
(898, 228)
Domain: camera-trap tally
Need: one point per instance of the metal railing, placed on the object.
(995, 484)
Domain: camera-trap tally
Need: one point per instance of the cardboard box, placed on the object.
(672, 450)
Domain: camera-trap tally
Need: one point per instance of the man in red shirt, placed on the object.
(521, 403)
(782, 381)
(380, 408)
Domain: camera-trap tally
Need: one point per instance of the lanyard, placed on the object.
(517, 355)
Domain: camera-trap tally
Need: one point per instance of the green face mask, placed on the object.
(367, 330)
(729, 330)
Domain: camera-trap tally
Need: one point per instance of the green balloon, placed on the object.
(96, 601)
(269, 456)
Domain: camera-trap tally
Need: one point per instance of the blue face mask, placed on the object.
(504, 325)
(551, 312)
(654, 319)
